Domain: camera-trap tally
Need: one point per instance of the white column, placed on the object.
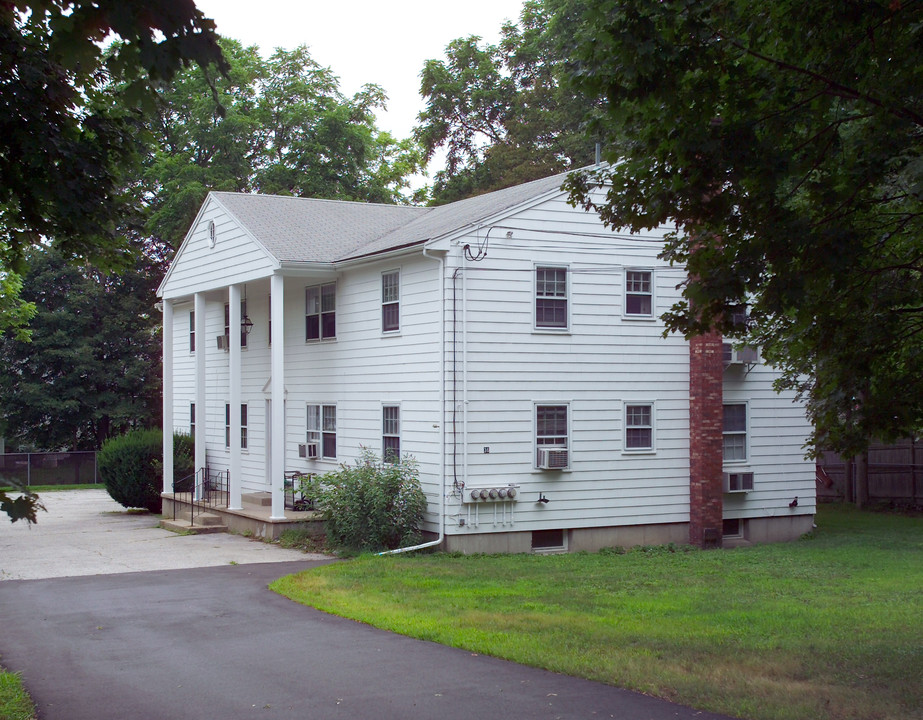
(277, 393)
(201, 412)
(167, 396)
(234, 395)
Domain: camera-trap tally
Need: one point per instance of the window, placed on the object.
(269, 320)
(192, 331)
(551, 431)
(551, 297)
(639, 427)
(320, 312)
(322, 429)
(243, 426)
(391, 301)
(227, 322)
(192, 420)
(639, 294)
(735, 432)
(391, 433)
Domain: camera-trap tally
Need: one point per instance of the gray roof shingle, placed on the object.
(308, 230)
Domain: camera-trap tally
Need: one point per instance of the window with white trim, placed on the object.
(192, 420)
(639, 293)
(734, 435)
(639, 426)
(551, 298)
(322, 429)
(227, 322)
(320, 312)
(243, 426)
(551, 428)
(192, 331)
(391, 433)
(391, 301)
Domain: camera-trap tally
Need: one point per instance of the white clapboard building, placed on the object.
(509, 342)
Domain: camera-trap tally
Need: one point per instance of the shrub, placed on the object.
(371, 505)
(131, 466)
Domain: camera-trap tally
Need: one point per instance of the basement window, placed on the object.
(732, 528)
(543, 540)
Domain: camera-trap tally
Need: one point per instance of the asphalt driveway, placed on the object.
(214, 642)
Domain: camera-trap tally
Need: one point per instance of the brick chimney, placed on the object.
(706, 421)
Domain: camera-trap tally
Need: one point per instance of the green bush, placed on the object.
(131, 466)
(371, 505)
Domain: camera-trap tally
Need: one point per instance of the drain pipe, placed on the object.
(442, 428)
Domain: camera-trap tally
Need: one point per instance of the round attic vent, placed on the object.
(212, 233)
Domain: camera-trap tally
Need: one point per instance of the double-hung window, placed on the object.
(639, 426)
(734, 435)
(322, 429)
(320, 312)
(551, 429)
(192, 420)
(639, 293)
(391, 301)
(551, 298)
(243, 426)
(227, 322)
(192, 331)
(391, 433)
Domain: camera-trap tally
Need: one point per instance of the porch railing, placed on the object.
(203, 490)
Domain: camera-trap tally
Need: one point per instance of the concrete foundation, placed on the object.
(754, 530)
(253, 520)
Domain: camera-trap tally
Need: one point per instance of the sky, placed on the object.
(365, 41)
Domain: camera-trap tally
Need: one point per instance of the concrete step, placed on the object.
(184, 527)
(208, 519)
(260, 499)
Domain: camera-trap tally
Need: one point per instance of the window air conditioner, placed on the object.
(224, 343)
(738, 482)
(552, 458)
(747, 355)
(308, 450)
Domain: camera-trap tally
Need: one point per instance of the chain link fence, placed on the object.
(48, 468)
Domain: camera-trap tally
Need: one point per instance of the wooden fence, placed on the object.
(895, 474)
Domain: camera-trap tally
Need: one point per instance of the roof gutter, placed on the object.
(442, 446)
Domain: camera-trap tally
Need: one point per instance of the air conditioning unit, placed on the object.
(747, 355)
(224, 343)
(552, 458)
(738, 482)
(308, 450)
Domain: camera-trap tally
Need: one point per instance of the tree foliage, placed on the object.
(278, 126)
(370, 505)
(500, 111)
(92, 368)
(785, 141)
(64, 145)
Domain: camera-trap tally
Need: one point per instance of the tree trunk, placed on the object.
(849, 476)
(862, 480)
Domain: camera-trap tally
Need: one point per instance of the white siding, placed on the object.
(235, 257)
(496, 365)
(602, 361)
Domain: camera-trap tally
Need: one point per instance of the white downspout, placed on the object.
(442, 413)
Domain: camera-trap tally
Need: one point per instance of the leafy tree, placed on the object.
(92, 368)
(278, 126)
(63, 144)
(500, 111)
(784, 140)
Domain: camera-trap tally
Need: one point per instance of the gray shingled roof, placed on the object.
(308, 230)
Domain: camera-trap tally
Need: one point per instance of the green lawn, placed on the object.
(15, 703)
(827, 627)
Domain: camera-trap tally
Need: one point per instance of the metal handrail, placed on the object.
(205, 492)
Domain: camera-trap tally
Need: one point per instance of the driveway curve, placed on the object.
(214, 642)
